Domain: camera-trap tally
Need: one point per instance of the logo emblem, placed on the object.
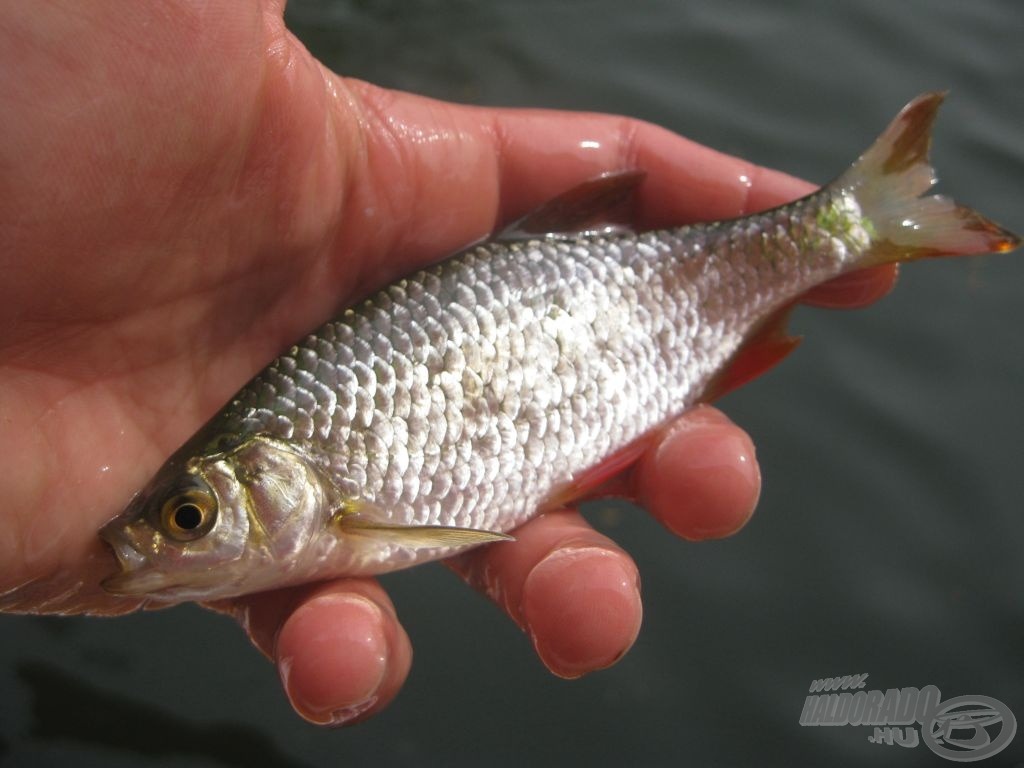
(968, 728)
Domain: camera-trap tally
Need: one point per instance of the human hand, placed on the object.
(186, 192)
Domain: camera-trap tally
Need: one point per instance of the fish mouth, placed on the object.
(136, 577)
(139, 578)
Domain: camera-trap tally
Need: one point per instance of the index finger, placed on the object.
(430, 177)
(543, 153)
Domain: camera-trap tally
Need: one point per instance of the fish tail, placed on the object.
(888, 182)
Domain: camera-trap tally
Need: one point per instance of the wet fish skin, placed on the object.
(466, 396)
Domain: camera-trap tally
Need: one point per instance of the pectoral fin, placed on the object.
(363, 519)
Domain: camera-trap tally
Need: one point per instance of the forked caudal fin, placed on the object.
(888, 182)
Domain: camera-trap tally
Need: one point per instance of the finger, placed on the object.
(854, 290)
(70, 588)
(574, 592)
(701, 479)
(685, 181)
(483, 167)
(339, 648)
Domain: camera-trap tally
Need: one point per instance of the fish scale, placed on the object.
(607, 338)
(454, 404)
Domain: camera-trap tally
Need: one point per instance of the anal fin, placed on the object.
(606, 478)
(761, 351)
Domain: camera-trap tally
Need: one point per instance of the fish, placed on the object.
(455, 404)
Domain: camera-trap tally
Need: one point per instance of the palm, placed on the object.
(178, 231)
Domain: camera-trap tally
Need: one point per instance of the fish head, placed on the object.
(218, 523)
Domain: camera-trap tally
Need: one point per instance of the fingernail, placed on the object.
(582, 609)
(336, 660)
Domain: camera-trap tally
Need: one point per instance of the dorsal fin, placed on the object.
(761, 351)
(603, 204)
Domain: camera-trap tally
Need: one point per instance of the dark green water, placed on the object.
(889, 536)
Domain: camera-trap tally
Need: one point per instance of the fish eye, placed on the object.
(189, 515)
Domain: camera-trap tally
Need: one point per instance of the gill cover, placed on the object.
(207, 523)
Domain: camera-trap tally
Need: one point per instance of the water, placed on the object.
(889, 535)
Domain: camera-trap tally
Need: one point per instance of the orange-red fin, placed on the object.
(604, 479)
(598, 205)
(854, 289)
(768, 345)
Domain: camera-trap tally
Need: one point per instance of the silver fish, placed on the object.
(450, 407)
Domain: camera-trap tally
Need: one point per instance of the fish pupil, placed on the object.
(188, 517)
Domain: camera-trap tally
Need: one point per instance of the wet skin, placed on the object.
(170, 222)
